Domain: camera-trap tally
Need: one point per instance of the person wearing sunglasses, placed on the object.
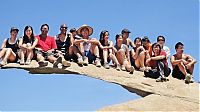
(161, 41)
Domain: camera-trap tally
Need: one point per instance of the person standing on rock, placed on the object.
(183, 64)
(45, 48)
(158, 63)
(106, 51)
(122, 54)
(88, 51)
(9, 48)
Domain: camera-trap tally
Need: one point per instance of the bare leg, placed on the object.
(105, 56)
(10, 55)
(113, 58)
(182, 68)
(3, 51)
(120, 56)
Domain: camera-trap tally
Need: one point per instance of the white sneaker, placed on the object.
(187, 78)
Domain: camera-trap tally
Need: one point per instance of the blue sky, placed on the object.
(177, 20)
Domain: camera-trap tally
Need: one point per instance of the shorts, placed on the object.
(91, 57)
(176, 73)
(133, 63)
(44, 54)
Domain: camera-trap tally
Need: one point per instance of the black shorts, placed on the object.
(133, 63)
(155, 74)
(176, 73)
(44, 54)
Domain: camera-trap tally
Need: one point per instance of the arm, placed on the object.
(94, 41)
(131, 43)
(34, 43)
(3, 44)
(78, 41)
(127, 54)
(191, 60)
(71, 39)
(137, 51)
(174, 62)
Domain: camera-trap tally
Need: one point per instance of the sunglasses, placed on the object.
(161, 40)
(63, 28)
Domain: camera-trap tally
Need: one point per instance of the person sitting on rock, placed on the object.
(183, 64)
(88, 47)
(27, 45)
(126, 39)
(147, 45)
(158, 63)
(9, 48)
(45, 48)
(138, 55)
(106, 50)
(64, 42)
(161, 41)
(122, 54)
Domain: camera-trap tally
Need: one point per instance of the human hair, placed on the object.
(178, 44)
(160, 36)
(146, 39)
(25, 37)
(156, 44)
(72, 30)
(102, 35)
(117, 36)
(43, 26)
(138, 38)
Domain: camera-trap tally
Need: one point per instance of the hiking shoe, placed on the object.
(59, 60)
(85, 61)
(28, 62)
(118, 67)
(187, 78)
(21, 62)
(66, 64)
(132, 70)
(159, 79)
(106, 65)
(42, 63)
(98, 63)
(123, 68)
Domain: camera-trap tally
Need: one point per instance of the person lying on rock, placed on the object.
(9, 48)
(158, 63)
(183, 64)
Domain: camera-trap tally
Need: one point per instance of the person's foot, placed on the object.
(80, 60)
(59, 60)
(65, 63)
(28, 62)
(132, 70)
(192, 80)
(123, 68)
(159, 79)
(142, 69)
(118, 67)
(2, 63)
(42, 63)
(21, 62)
(85, 61)
(98, 63)
(187, 78)
(106, 65)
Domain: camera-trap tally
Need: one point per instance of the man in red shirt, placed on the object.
(45, 48)
(158, 63)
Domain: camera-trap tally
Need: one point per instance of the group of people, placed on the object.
(78, 46)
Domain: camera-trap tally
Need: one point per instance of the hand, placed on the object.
(188, 66)
(148, 60)
(85, 40)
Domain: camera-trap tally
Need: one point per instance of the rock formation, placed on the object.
(173, 95)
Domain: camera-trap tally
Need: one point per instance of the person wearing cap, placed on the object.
(64, 42)
(27, 45)
(183, 64)
(122, 54)
(161, 41)
(106, 51)
(89, 50)
(45, 48)
(126, 40)
(9, 48)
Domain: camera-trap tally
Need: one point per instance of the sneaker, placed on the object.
(142, 69)
(106, 65)
(28, 62)
(21, 62)
(66, 64)
(98, 63)
(2, 63)
(80, 61)
(85, 61)
(118, 67)
(132, 70)
(123, 68)
(187, 78)
(42, 63)
(192, 79)
(59, 60)
(159, 79)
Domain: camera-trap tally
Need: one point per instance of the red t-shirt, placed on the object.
(47, 43)
(153, 62)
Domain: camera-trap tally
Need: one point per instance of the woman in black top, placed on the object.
(27, 44)
(9, 48)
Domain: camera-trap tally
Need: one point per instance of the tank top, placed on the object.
(63, 46)
(14, 46)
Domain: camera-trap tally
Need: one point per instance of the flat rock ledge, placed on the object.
(173, 95)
